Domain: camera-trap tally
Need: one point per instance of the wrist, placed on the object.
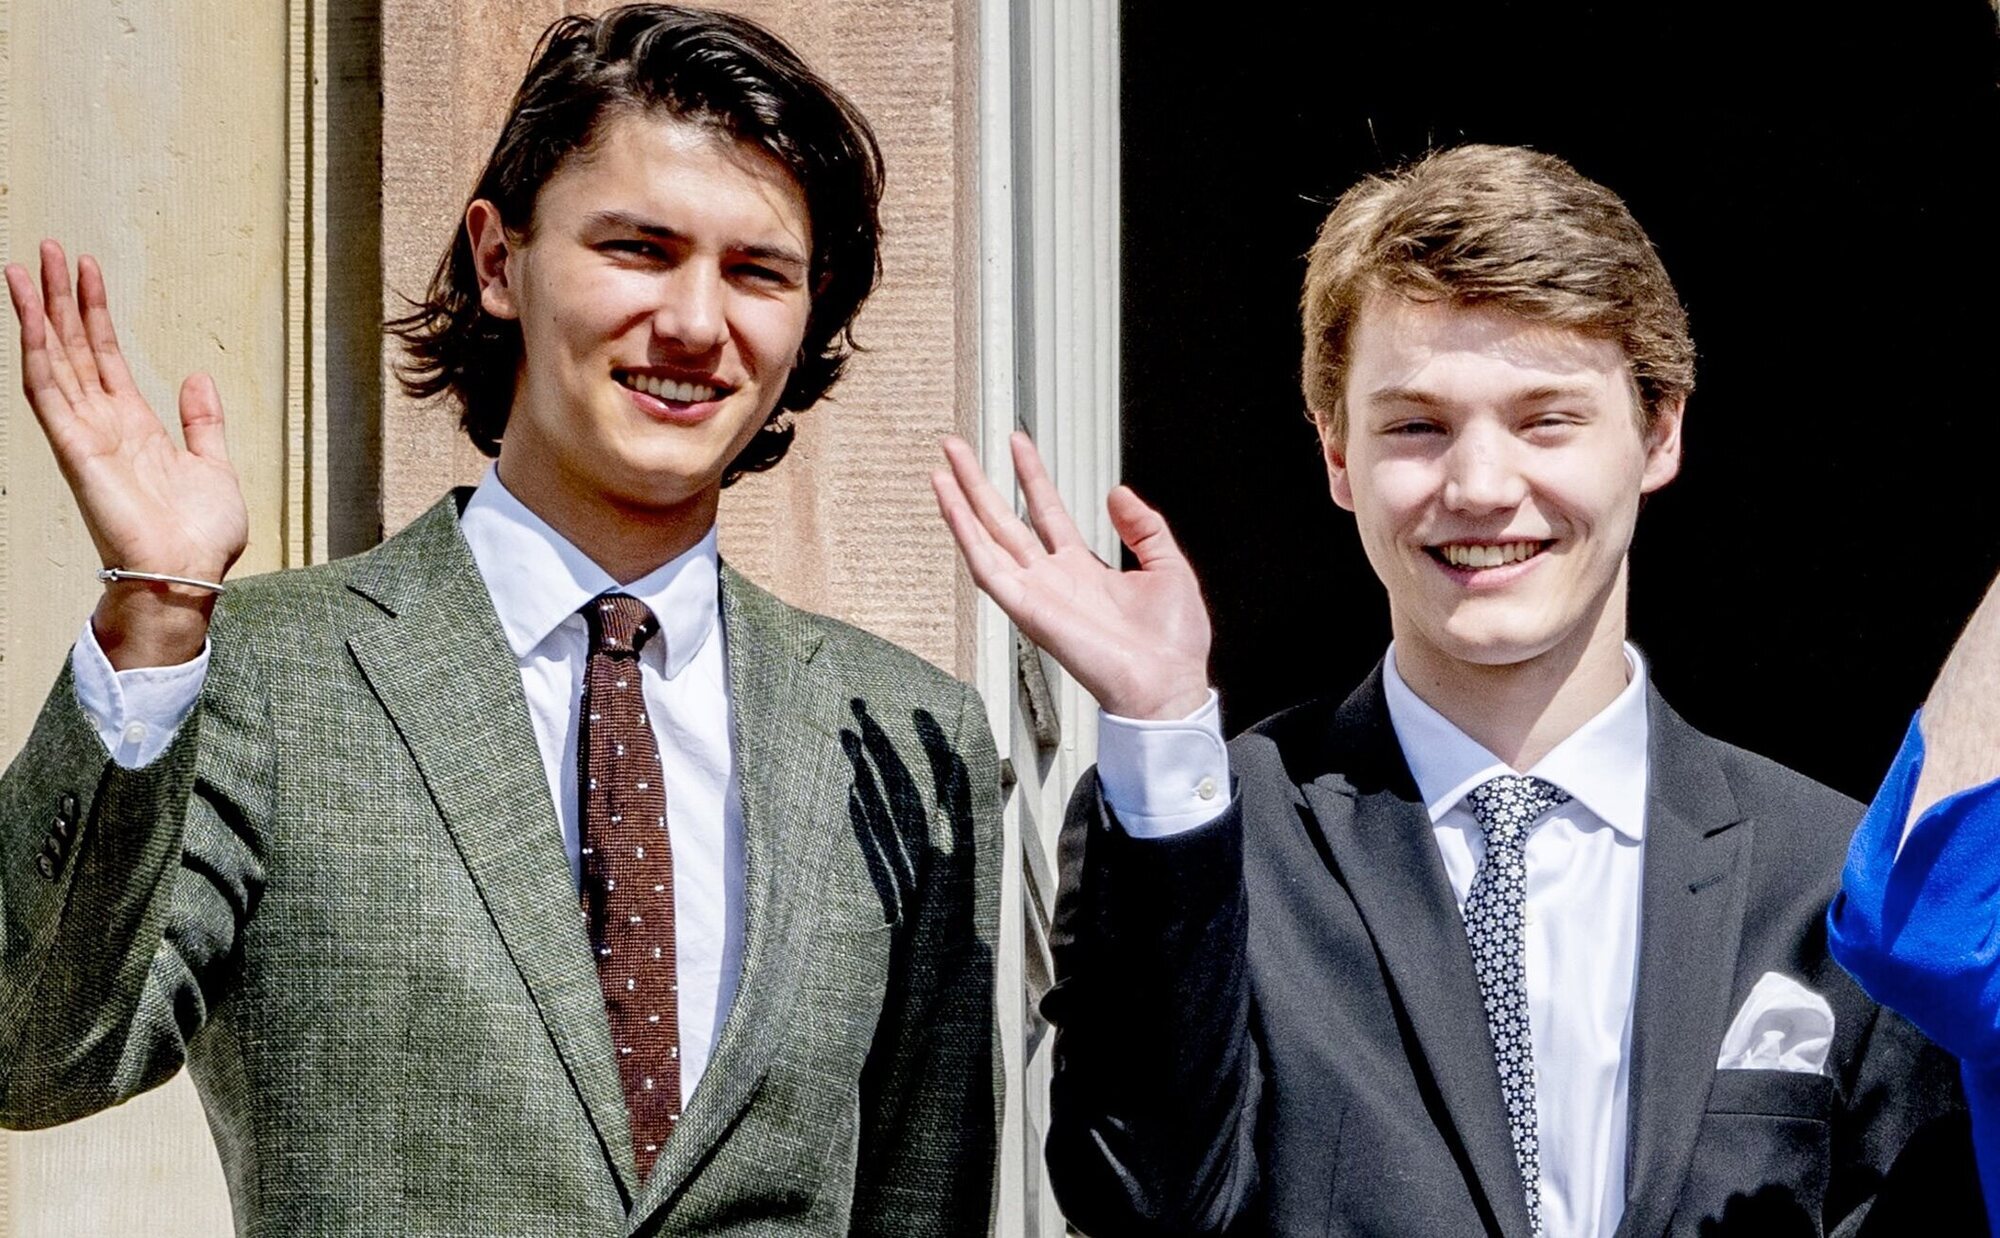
(1166, 702)
(139, 624)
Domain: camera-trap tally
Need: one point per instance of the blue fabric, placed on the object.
(1920, 930)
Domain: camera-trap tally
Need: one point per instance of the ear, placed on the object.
(1334, 449)
(1663, 445)
(492, 258)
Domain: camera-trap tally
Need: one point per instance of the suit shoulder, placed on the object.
(1809, 821)
(855, 656)
(287, 593)
(1761, 781)
(862, 651)
(1284, 728)
(1290, 744)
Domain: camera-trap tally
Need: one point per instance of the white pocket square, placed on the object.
(1783, 1026)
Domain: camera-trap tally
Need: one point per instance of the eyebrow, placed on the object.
(1425, 399)
(629, 222)
(1404, 395)
(1555, 391)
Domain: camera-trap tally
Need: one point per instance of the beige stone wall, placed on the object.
(846, 525)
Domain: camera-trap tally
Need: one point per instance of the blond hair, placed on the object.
(1497, 227)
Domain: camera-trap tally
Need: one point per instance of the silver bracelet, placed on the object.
(112, 575)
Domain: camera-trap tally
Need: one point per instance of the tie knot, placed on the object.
(620, 624)
(1507, 805)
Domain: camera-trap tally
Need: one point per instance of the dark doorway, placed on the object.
(1817, 180)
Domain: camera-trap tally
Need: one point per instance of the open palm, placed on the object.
(1138, 640)
(150, 504)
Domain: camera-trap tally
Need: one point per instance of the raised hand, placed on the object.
(150, 504)
(1137, 641)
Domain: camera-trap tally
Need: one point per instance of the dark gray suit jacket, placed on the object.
(1271, 1025)
(341, 898)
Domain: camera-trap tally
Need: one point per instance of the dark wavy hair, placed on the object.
(712, 69)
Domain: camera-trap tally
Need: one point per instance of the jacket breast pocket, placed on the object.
(1761, 1158)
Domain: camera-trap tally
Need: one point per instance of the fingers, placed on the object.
(97, 326)
(62, 311)
(1143, 530)
(995, 515)
(38, 376)
(201, 419)
(982, 556)
(27, 302)
(1045, 506)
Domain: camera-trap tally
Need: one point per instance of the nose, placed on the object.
(692, 313)
(1482, 473)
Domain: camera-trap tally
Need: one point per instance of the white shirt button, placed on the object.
(135, 732)
(1205, 789)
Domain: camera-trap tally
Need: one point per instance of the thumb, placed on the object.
(1143, 530)
(201, 419)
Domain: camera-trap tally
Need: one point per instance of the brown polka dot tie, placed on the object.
(628, 871)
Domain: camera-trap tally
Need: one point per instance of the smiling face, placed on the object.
(1494, 467)
(662, 297)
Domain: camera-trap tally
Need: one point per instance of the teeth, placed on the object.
(667, 389)
(1459, 554)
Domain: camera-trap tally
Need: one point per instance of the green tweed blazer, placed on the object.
(341, 899)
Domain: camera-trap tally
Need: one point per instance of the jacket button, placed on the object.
(47, 866)
(68, 806)
(61, 828)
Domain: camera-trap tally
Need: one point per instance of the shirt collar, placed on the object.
(538, 578)
(1602, 763)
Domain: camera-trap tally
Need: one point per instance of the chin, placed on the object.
(1494, 644)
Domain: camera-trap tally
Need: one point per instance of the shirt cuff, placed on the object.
(1164, 777)
(136, 712)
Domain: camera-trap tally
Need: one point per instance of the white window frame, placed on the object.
(1048, 357)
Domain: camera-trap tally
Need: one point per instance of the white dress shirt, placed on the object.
(539, 581)
(1584, 862)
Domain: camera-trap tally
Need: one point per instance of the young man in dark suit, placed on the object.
(1499, 944)
(533, 873)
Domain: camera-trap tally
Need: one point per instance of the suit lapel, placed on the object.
(441, 667)
(793, 779)
(1691, 917)
(1380, 838)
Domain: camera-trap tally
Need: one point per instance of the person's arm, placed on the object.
(1961, 717)
(1917, 919)
(136, 712)
(1156, 1082)
(118, 933)
(1154, 1101)
(1900, 1163)
(123, 890)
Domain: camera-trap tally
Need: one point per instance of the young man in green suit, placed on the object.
(533, 873)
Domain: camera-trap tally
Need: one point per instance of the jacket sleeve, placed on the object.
(1153, 1103)
(1914, 923)
(123, 893)
(1901, 1153)
(931, 1089)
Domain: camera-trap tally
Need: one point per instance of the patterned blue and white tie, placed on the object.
(1506, 807)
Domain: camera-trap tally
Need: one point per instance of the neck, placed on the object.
(1521, 710)
(628, 540)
